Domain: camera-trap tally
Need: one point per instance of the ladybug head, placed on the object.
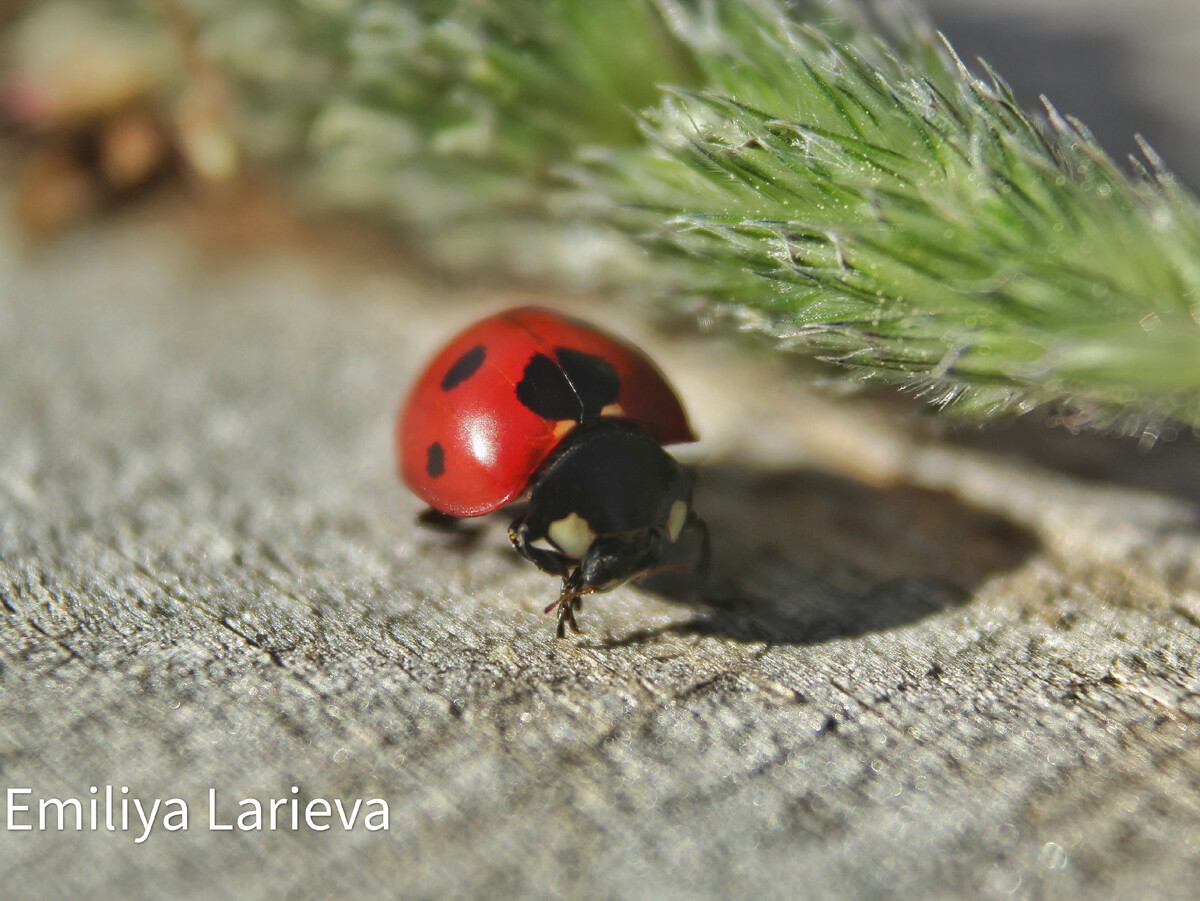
(606, 508)
(613, 560)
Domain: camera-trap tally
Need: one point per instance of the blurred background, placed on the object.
(104, 100)
(1122, 68)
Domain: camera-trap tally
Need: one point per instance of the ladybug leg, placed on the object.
(548, 561)
(436, 519)
(447, 523)
(454, 527)
(704, 558)
(569, 602)
(556, 564)
(566, 615)
(693, 524)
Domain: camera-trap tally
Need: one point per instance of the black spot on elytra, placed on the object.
(576, 386)
(465, 367)
(435, 460)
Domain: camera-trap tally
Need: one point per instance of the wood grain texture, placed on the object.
(928, 667)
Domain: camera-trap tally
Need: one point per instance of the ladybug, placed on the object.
(532, 405)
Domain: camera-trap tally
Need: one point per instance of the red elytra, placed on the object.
(491, 407)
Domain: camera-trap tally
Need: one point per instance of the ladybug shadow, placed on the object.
(801, 557)
(1169, 467)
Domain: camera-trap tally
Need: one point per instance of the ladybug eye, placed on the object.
(464, 367)
(435, 460)
(575, 386)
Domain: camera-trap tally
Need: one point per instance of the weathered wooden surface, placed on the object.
(935, 669)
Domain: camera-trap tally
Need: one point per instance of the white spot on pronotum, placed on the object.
(676, 518)
(612, 410)
(563, 426)
(572, 535)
